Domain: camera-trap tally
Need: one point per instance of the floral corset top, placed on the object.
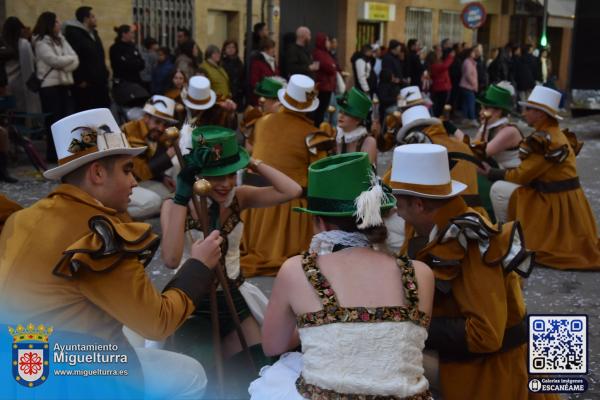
(362, 352)
(332, 312)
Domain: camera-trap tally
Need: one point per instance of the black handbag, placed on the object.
(34, 83)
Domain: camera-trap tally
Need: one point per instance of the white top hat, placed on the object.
(161, 107)
(415, 116)
(410, 96)
(545, 99)
(299, 95)
(199, 96)
(85, 137)
(422, 170)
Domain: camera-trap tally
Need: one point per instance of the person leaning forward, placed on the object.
(544, 191)
(87, 273)
(478, 320)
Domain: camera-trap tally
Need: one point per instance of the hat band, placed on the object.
(162, 114)
(330, 205)
(541, 105)
(77, 155)
(223, 161)
(436, 190)
(301, 105)
(199, 102)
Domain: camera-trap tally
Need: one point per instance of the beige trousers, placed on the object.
(500, 193)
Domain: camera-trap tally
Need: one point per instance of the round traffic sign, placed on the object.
(473, 15)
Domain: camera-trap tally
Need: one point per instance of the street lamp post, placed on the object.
(544, 39)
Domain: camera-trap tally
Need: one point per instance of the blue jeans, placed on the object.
(468, 103)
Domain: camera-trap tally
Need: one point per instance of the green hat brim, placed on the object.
(230, 168)
(271, 95)
(350, 111)
(484, 101)
(389, 204)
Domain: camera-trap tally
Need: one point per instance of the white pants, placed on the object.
(146, 199)
(170, 375)
(167, 374)
(500, 193)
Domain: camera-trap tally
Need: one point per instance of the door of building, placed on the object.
(367, 33)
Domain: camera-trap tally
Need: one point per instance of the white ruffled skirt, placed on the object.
(278, 381)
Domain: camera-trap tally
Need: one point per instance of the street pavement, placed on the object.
(546, 291)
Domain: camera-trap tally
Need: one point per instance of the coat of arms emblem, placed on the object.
(30, 354)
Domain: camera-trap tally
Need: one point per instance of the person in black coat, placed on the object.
(498, 70)
(125, 59)
(387, 93)
(90, 89)
(298, 59)
(231, 62)
(414, 64)
(392, 63)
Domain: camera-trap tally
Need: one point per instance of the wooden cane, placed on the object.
(330, 112)
(446, 112)
(486, 118)
(201, 188)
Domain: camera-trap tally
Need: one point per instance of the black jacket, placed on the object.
(235, 71)
(297, 61)
(415, 68)
(88, 46)
(126, 62)
(525, 72)
(498, 70)
(393, 64)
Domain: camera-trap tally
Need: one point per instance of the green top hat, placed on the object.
(497, 97)
(268, 88)
(216, 151)
(335, 182)
(355, 103)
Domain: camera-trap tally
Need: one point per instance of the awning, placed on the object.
(561, 13)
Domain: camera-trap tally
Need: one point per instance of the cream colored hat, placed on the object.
(299, 95)
(161, 107)
(198, 95)
(85, 137)
(415, 116)
(544, 99)
(422, 170)
(410, 96)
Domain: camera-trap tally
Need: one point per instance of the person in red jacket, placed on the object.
(324, 76)
(262, 66)
(441, 84)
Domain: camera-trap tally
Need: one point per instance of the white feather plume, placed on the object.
(368, 204)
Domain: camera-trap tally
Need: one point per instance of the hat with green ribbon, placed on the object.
(497, 97)
(268, 87)
(216, 151)
(355, 103)
(345, 185)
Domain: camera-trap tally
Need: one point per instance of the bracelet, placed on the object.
(256, 163)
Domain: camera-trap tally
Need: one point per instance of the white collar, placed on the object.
(324, 242)
(352, 136)
(501, 121)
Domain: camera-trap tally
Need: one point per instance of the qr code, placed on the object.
(558, 344)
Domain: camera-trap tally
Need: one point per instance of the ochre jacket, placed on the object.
(7, 207)
(476, 303)
(559, 225)
(70, 262)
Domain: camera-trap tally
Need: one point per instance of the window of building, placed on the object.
(451, 26)
(161, 18)
(418, 25)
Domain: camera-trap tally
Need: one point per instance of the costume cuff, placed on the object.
(496, 174)
(449, 337)
(194, 279)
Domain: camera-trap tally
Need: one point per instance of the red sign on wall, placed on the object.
(473, 15)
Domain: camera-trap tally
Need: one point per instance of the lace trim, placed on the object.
(324, 242)
(314, 392)
(332, 312)
(350, 137)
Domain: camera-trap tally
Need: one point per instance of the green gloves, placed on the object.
(185, 181)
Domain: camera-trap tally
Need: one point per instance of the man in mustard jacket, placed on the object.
(544, 192)
(7, 207)
(71, 262)
(150, 167)
(478, 325)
